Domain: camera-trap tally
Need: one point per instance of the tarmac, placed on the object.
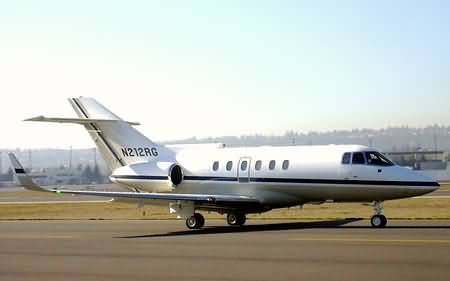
(261, 250)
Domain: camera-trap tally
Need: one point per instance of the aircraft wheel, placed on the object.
(378, 221)
(236, 218)
(196, 221)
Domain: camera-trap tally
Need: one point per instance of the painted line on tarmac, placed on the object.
(358, 240)
(3, 237)
(54, 202)
(433, 197)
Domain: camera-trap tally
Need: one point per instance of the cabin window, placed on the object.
(285, 165)
(244, 165)
(215, 166)
(358, 158)
(346, 158)
(377, 159)
(229, 165)
(258, 165)
(272, 164)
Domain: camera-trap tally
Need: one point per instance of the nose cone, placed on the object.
(422, 184)
(414, 183)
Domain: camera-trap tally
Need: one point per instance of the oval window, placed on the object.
(243, 165)
(272, 164)
(229, 165)
(258, 165)
(216, 166)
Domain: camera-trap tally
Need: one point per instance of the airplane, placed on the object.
(234, 181)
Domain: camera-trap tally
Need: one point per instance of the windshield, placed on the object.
(378, 159)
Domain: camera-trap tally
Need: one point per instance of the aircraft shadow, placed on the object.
(250, 228)
(401, 227)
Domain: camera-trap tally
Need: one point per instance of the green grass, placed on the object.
(412, 208)
(398, 209)
(445, 186)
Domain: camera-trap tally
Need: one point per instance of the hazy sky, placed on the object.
(212, 68)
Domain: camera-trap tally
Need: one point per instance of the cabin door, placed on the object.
(244, 169)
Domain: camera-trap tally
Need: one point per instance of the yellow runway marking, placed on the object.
(400, 241)
(38, 237)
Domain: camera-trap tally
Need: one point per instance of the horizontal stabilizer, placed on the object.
(81, 121)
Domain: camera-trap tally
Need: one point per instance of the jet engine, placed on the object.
(176, 174)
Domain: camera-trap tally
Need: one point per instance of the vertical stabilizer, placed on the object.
(118, 142)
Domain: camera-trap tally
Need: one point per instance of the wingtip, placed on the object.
(37, 118)
(18, 168)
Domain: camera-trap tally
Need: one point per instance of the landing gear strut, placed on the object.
(236, 218)
(378, 219)
(196, 221)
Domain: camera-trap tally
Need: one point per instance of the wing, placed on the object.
(205, 200)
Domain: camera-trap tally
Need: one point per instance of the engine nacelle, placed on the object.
(176, 175)
(150, 177)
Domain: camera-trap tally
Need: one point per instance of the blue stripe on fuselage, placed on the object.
(286, 180)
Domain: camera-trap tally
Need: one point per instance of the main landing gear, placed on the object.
(196, 221)
(378, 219)
(236, 218)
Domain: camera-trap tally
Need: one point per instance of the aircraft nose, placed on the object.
(417, 182)
(426, 184)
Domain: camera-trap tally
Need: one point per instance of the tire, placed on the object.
(200, 220)
(384, 221)
(378, 221)
(196, 221)
(236, 219)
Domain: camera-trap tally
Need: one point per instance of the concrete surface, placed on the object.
(263, 250)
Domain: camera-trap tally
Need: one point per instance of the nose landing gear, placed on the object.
(378, 219)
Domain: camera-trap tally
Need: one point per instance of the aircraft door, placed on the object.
(244, 169)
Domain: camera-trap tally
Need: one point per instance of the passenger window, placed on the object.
(244, 165)
(216, 166)
(285, 165)
(272, 164)
(358, 158)
(346, 158)
(258, 165)
(229, 165)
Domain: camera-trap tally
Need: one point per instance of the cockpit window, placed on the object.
(358, 158)
(378, 159)
(346, 158)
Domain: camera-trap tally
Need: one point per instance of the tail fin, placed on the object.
(117, 141)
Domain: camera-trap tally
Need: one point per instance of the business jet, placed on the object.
(234, 181)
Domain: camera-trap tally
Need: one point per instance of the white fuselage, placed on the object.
(300, 174)
(234, 181)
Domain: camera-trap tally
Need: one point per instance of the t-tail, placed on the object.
(117, 141)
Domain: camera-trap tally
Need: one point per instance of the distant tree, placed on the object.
(87, 174)
(96, 175)
(10, 175)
